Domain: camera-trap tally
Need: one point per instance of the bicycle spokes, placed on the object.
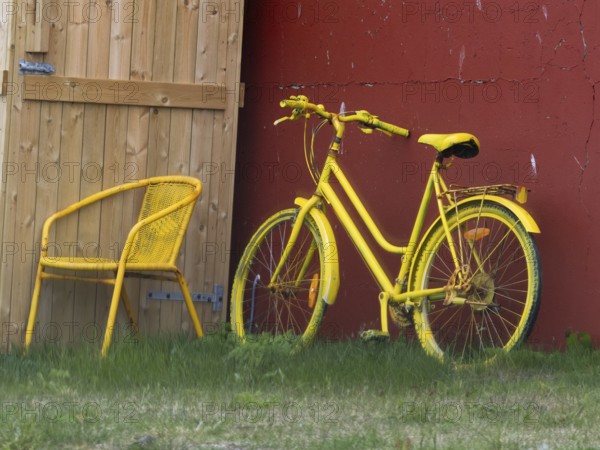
(490, 297)
(286, 303)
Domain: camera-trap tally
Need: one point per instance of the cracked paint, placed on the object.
(524, 83)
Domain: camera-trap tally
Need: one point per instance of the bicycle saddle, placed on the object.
(462, 145)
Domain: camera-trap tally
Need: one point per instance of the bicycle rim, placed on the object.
(292, 306)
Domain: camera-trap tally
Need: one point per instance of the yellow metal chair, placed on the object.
(152, 245)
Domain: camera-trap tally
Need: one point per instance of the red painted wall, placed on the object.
(519, 75)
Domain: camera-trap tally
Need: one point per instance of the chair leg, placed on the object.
(190, 305)
(129, 311)
(34, 306)
(112, 313)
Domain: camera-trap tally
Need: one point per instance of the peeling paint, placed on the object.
(533, 165)
(461, 60)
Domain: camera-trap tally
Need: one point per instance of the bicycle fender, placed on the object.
(331, 276)
(528, 222)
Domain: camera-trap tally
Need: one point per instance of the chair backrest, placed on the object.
(158, 241)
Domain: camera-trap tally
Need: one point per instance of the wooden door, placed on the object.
(141, 88)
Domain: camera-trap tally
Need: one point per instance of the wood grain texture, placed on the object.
(146, 88)
(125, 92)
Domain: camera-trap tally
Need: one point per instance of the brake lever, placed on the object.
(295, 115)
(283, 119)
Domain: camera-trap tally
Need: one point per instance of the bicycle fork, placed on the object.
(302, 212)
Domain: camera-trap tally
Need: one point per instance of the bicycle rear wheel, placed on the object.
(501, 289)
(292, 305)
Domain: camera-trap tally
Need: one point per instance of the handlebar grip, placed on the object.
(289, 103)
(293, 102)
(391, 128)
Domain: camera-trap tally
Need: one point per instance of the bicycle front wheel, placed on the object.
(292, 304)
(498, 287)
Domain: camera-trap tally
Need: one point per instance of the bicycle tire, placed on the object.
(285, 308)
(506, 284)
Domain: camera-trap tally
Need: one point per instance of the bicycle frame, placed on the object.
(391, 290)
(467, 283)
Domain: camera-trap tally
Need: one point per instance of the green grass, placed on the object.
(213, 394)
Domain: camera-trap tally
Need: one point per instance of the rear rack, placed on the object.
(518, 193)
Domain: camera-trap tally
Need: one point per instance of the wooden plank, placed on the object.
(6, 61)
(163, 48)
(84, 305)
(23, 274)
(6, 202)
(220, 209)
(231, 74)
(203, 142)
(125, 92)
(221, 195)
(112, 230)
(47, 190)
(181, 122)
(62, 292)
(91, 168)
(38, 27)
(69, 295)
(87, 296)
(163, 70)
(138, 132)
(23, 150)
(158, 160)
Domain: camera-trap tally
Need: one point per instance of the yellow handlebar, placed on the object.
(301, 106)
(391, 128)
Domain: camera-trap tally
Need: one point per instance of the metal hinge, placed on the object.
(215, 297)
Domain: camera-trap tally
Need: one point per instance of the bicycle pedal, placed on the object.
(374, 336)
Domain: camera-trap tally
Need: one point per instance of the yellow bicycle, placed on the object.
(468, 284)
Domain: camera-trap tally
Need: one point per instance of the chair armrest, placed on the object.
(83, 203)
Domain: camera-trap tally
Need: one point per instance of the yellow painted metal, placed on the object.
(525, 218)
(528, 222)
(305, 209)
(391, 291)
(312, 292)
(362, 211)
(152, 245)
(451, 245)
(363, 248)
(521, 196)
(443, 142)
(408, 295)
(331, 271)
(384, 299)
(417, 229)
(307, 260)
